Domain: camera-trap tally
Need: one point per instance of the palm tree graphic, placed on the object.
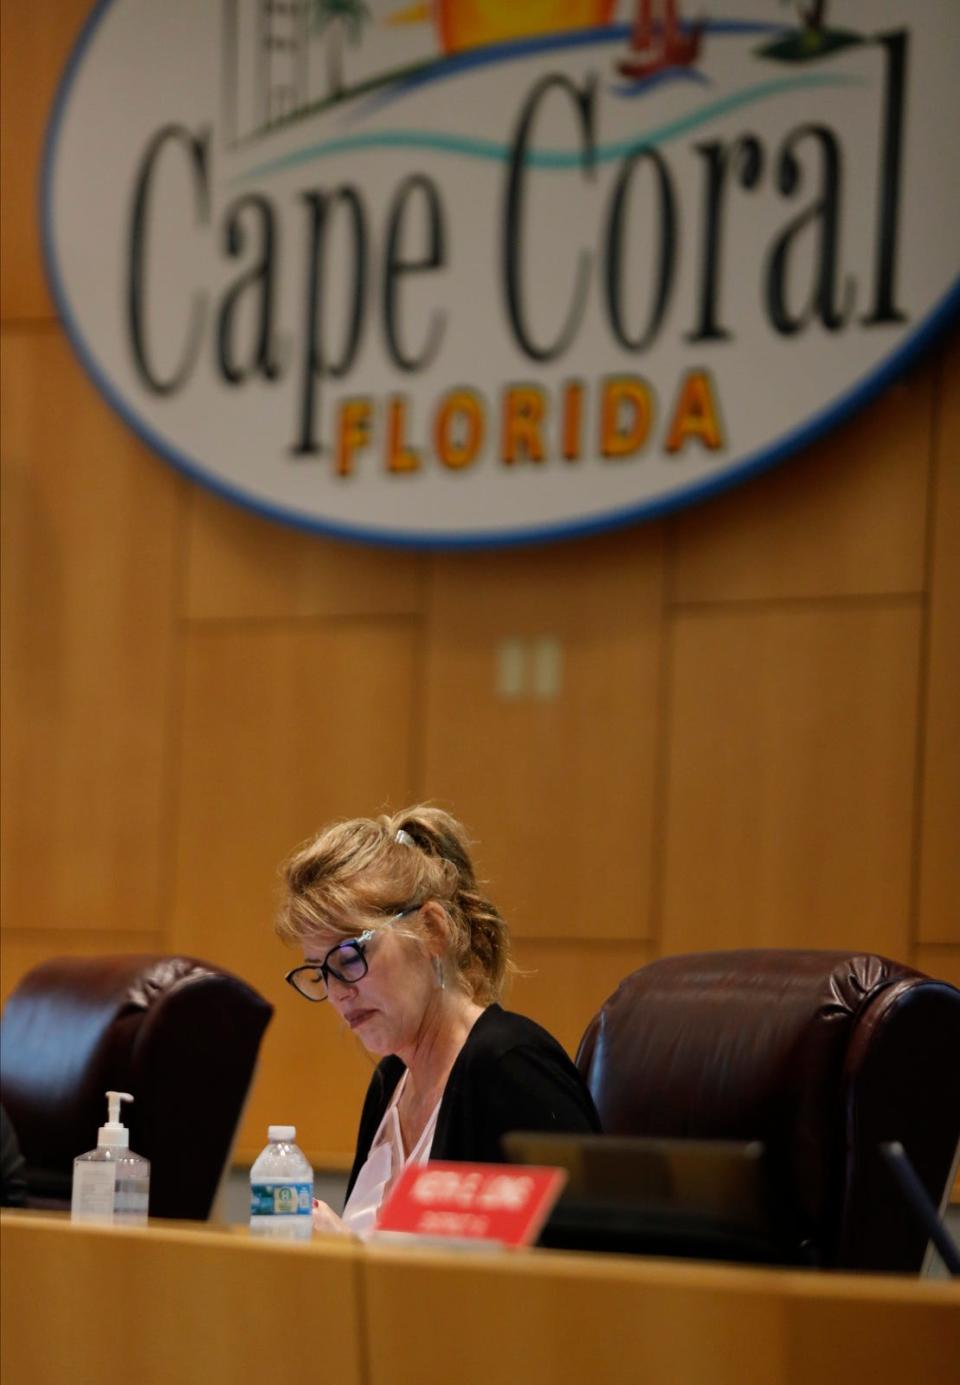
(340, 17)
(812, 15)
(813, 40)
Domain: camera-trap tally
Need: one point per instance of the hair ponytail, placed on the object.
(480, 942)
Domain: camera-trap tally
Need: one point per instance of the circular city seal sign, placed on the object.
(461, 273)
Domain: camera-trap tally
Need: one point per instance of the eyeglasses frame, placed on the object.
(326, 971)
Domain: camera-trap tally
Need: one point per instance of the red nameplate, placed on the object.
(480, 1202)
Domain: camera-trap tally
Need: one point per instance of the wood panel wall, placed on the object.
(738, 726)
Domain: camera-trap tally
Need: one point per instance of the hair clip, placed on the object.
(404, 838)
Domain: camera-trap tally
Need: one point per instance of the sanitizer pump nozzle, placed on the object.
(114, 1135)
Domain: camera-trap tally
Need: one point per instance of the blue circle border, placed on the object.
(786, 446)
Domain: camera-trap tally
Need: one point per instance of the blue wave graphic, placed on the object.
(468, 146)
(630, 91)
(511, 50)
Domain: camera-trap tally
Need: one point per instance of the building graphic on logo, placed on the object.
(268, 73)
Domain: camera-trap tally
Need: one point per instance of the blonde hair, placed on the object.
(357, 873)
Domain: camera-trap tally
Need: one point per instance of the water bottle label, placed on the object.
(281, 1199)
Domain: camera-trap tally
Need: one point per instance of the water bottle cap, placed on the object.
(286, 1133)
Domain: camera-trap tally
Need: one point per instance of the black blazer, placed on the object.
(509, 1075)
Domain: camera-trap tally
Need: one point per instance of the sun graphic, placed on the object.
(468, 23)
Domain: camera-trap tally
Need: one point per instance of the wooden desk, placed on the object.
(543, 1318)
(174, 1304)
(184, 1305)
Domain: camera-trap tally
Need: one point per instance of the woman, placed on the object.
(397, 937)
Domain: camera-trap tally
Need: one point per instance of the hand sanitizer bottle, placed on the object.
(111, 1183)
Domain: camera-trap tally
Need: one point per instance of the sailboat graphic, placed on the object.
(661, 43)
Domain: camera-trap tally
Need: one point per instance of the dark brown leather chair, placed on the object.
(822, 1056)
(181, 1036)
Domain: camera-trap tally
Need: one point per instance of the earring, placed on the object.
(438, 973)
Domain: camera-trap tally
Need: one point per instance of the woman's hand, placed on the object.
(326, 1220)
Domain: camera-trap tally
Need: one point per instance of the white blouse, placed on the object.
(384, 1164)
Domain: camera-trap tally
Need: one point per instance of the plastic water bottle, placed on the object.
(281, 1188)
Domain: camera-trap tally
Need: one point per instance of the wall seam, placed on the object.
(923, 662)
(659, 835)
(748, 605)
(170, 820)
(416, 765)
(238, 624)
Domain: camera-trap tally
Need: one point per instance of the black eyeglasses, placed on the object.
(346, 962)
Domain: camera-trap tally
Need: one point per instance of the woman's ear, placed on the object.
(436, 927)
